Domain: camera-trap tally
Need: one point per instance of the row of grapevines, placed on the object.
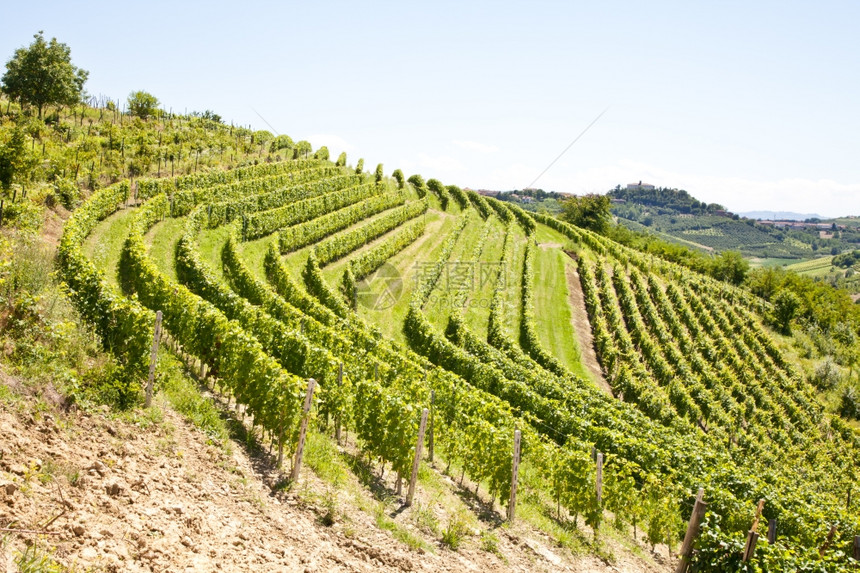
(264, 223)
(502, 211)
(459, 196)
(150, 187)
(440, 191)
(124, 327)
(373, 258)
(304, 185)
(686, 392)
(430, 275)
(298, 236)
(272, 396)
(340, 245)
(479, 203)
(182, 202)
(498, 321)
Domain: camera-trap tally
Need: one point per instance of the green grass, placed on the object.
(438, 309)
(252, 254)
(104, 244)
(161, 241)
(513, 288)
(184, 396)
(477, 313)
(552, 308)
(425, 249)
(210, 242)
(333, 271)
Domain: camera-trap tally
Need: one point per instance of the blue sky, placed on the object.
(752, 105)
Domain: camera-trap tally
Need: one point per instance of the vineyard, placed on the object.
(398, 296)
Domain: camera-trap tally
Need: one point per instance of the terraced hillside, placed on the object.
(397, 296)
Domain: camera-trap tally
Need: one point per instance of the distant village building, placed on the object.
(640, 186)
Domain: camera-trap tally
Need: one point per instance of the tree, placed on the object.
(379, 173)
(15, 162)
(731, 267)
(398, 176)
(322, 153)
(142, 104)
(588, 211)
(341, 160)
(302, 148)
(785, 306)
(42, 74)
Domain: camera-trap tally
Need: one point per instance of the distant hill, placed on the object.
(780, 215)
(676, 215)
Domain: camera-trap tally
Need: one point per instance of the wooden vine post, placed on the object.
(752, 536)
(339, 385)
(303, 430)
(515, 473)
(692, 532)
(599, 481)
(418, 446)
(771, 531)
(153, 355)
(430, 437)
(829, 540)
(857, 547)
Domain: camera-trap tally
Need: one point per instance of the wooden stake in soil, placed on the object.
(418, 446)
(515, 474)
(827, 543)
(692, 532)
(750, 548)
(599, 478)
(339, 384)
(752, 536)
(857, 547)
(153, 355)
(297, 464)
(430, 438)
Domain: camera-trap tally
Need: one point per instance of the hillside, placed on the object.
(676, 216)
(399, 295)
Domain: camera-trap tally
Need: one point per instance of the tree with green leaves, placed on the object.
(398, 176)
(15, 161)
(341, 160)
(142, 104)
(42, 74)
(359, 167)
(588, 211)
(785, 306)
(281, 142)
(302, 148)
(379, 173)
(322, 153)
(731, 267)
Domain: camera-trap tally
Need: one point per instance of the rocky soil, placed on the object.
(98, 492)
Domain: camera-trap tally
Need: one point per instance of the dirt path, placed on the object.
(582, 330)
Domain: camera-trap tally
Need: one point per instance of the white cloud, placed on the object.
(444, 164)
(335, 143)
(475, 146)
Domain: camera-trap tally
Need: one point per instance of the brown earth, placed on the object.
(582, 330)
(99, 492)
